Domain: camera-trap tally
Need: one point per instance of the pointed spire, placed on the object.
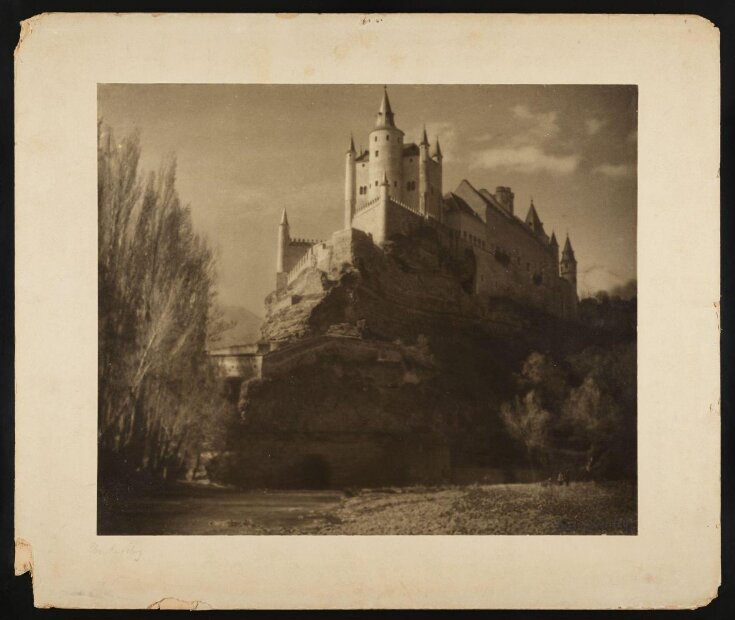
(532, 219)
(553, 241)
(437, 149)
(352, 144)
(385, 179)
(568, 252)
(424, 139)
(284, 218)
(385, 114)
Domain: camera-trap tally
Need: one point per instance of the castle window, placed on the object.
(387, 137)
(376, 184)
(376, 139)
(376, 153)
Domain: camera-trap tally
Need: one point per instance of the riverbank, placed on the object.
(503, 509)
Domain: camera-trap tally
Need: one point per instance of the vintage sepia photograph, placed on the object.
(367, 309)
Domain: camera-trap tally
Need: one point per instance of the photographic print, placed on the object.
(367, 309)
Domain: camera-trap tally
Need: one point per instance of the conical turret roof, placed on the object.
(284, 218)
(568, 252)
(352, 145)
(424, 138)
(385, 114)
(553, 241)
(437, 149)
(533, 221)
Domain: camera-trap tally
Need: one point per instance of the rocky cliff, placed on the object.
(387, 370)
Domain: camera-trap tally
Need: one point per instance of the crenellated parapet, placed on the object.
(300, 241)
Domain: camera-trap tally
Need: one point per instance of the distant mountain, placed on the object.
(243, 327)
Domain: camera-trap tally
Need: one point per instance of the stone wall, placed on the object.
(294, 252)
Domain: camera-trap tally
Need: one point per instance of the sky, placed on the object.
(244, 152)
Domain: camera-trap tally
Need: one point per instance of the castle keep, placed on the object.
(394, 188)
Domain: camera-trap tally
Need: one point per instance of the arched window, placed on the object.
(376, 153)
(387, 137)
(376, 139)
(376, 183)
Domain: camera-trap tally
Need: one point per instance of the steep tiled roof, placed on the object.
(491, 199)
(457, 203)
(364, 156)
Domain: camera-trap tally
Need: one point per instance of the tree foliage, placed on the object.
(158, 397)
(585, 405)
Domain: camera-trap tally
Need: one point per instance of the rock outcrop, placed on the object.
(384, 369)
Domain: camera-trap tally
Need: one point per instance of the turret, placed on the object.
(423, 172)
(350, 189)
(384, 189)
(554, 248)
(533, 221)
(568, 264)
(386, 152)
(284, 238)
(437, 151)
(436, 199)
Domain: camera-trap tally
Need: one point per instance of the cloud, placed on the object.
(539, 125)
(599, 278)
(448, 138)
(593, 125)
(615, 171)
(524, 159)
(484, 137)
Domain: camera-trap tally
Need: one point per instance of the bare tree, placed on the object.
(157, 392)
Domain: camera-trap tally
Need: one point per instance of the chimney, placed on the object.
(505, 197)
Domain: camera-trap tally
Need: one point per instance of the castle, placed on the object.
(394, 187)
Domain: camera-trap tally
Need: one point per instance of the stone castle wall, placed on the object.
(509, 260)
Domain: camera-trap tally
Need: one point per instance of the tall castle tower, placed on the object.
(386, 153)
(350, 187)
(554, 246)
(284, 238)
(568, 265)
(423, 172)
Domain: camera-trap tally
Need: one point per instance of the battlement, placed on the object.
(299, 241)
